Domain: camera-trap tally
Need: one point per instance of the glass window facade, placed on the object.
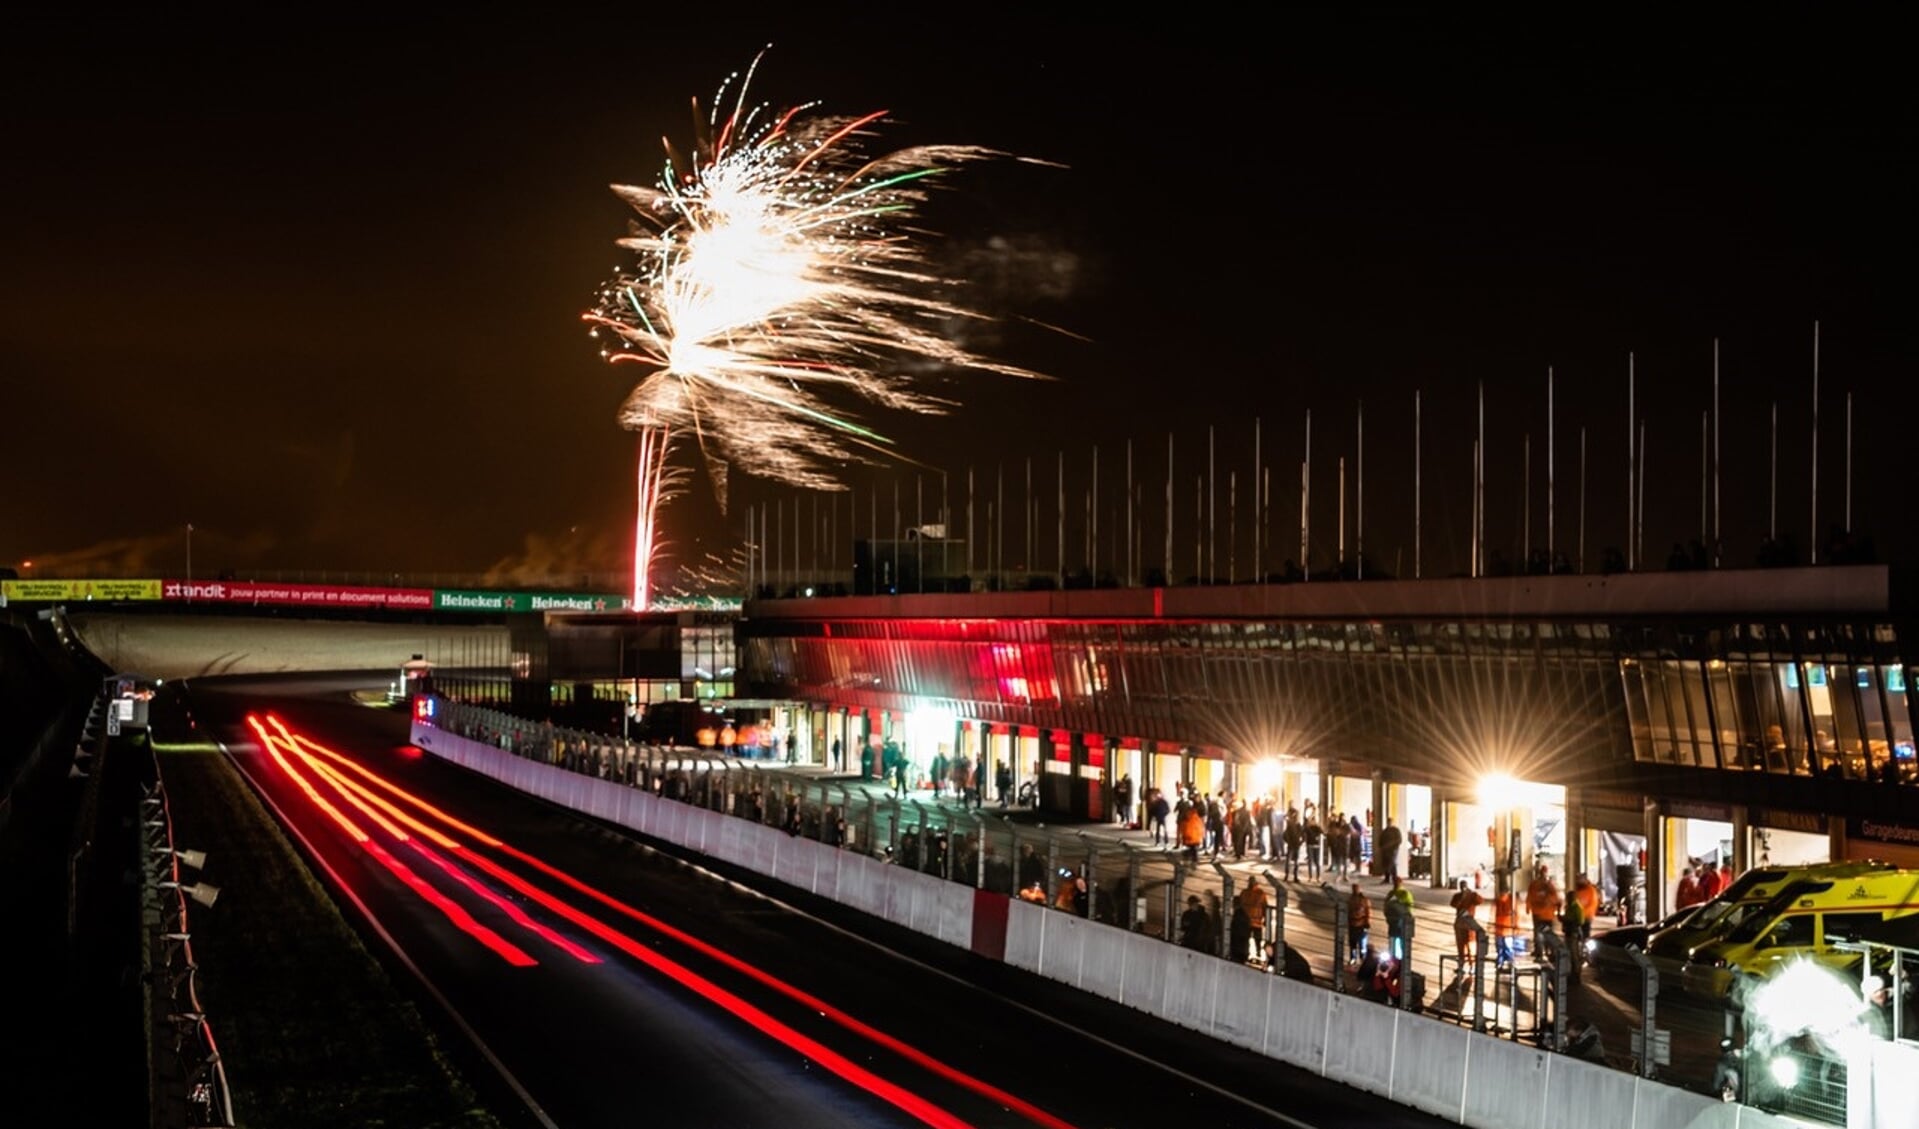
(1776, 698)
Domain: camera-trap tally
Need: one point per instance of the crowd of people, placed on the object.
(1260, 826)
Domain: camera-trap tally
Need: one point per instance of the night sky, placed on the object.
(315, 286)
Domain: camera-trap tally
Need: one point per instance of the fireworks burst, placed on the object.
(778, 273)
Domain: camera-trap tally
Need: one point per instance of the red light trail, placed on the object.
(367, 802)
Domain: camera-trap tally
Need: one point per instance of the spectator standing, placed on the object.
(1291, 841)
(1399, 920)
(1194, 925)
(1252, 909)
(1315, 843)
(1688, 893)
(939, 774)
(1336, 846)
(1359, 923)
(1123, 800)
(1003, 780)
(1543, 902)
(1215, 825)
(1157, 809)
(1386, 850)
(1242, 829)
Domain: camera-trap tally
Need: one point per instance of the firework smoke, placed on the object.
(777, 274)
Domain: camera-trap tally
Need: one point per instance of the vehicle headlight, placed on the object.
(1784, 1071)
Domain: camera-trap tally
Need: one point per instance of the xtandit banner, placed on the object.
(301, 595)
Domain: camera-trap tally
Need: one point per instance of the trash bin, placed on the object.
(1413, 987)
(1632, 895)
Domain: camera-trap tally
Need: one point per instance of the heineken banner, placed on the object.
(472, 600)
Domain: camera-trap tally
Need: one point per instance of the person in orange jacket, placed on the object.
(1543, 902)
(1505, 925)
(1587, 895)
(1192, 833)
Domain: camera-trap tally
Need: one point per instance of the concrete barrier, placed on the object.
(1296, 1024)
(1656, 1105)
(1242, 1006)
(1429, 1065)
(1064, 950)
(1025, 931)
(795, 862)
(1143, 980)
(1505, 1084)
(1191, 979)
(1104, 961)
(1585, 1095)
(953, 908)
(1359, 1043)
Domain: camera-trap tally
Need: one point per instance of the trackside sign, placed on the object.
(471, 600)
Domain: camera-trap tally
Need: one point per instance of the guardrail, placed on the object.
(1089, 935)
(187, 1081)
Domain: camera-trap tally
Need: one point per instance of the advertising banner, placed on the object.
(473, 600)
(51, 591)
(297, 595)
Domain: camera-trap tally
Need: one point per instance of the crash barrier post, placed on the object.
(1648, 1011)
(1277, 930)
(1340, 912)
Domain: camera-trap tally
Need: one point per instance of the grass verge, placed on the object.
(313, 1031)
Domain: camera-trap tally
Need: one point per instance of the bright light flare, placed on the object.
(1804, 997)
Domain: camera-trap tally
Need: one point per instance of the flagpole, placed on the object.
(1815, 442)
(1417, 530)
(1359, 502)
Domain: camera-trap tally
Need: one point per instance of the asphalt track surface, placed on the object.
(616, 982)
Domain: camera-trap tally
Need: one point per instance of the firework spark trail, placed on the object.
(777, 273)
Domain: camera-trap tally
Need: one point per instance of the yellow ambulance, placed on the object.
(1809, 918)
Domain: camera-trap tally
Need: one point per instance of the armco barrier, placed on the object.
(1417, 1061)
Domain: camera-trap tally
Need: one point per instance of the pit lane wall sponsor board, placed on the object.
(470, 600)
(54, 591)
(295, 595)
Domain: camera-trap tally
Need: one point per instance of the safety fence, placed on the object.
(885, 856)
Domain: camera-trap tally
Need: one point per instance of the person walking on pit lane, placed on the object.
(1157, 809)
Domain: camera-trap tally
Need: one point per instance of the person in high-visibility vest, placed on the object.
(1542, 901)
